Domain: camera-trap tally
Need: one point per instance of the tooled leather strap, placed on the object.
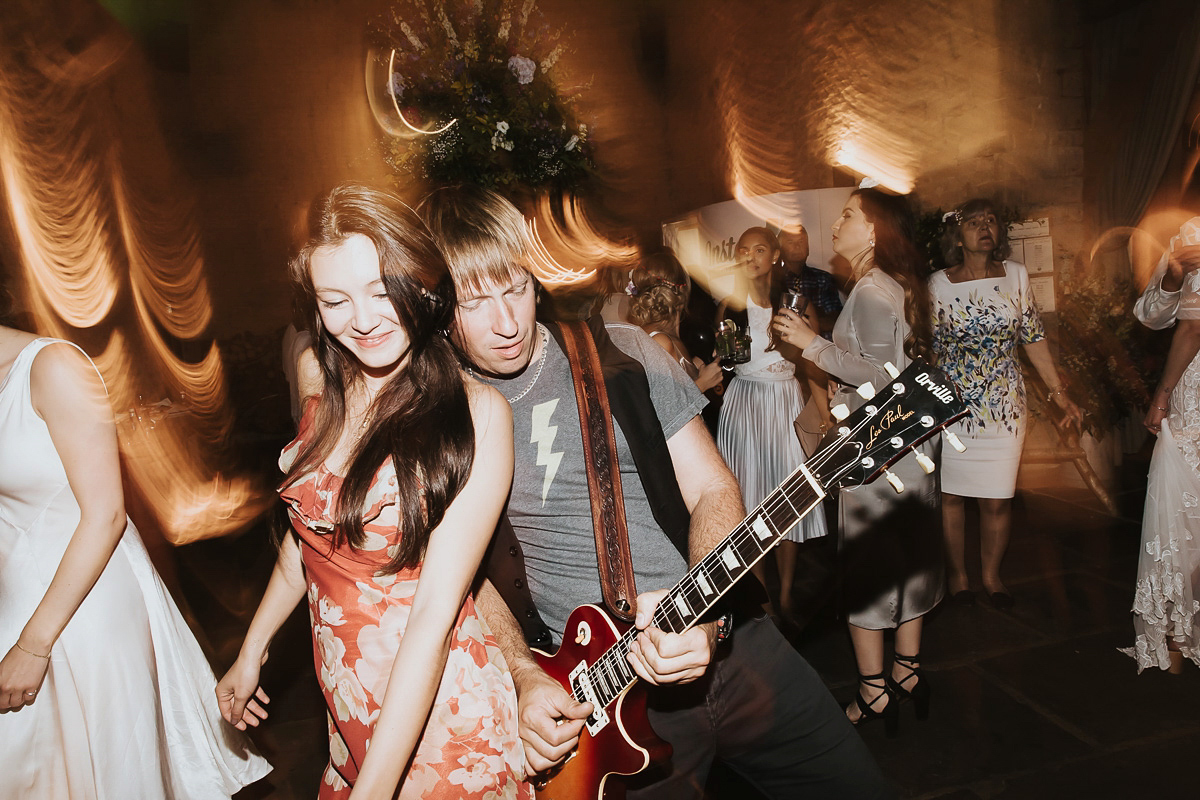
(603, 472)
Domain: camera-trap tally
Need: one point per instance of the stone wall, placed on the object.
(692, 101)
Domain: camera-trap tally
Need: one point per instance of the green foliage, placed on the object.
(491, 65)
(1106, 356)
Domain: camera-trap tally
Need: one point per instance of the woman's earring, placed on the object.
(872, 242)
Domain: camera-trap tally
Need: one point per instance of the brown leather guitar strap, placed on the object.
(603, 472)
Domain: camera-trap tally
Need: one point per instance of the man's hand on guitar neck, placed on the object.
(550, 719)
(660, 657)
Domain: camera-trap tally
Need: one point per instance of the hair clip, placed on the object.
(954, 214)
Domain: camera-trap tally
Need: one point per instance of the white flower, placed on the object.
(412, 37)
(370, 594)
(373, 541)
(332, 650)
(523, 68)
(446, 25)
(349, 700)
(502, 126)
(507, 145)
(337, 750)
(331, 614)
(570, 145)
(377, 646)
(477, 771)
(549, 61)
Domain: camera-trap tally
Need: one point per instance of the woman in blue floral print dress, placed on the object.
(982, 309)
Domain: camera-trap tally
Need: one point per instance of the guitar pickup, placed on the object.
(581, 687)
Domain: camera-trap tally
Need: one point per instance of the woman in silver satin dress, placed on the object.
(890, 544)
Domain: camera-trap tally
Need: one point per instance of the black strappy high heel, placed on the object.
(918, 691)
(866, 708)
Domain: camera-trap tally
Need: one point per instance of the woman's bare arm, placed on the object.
(452, 559)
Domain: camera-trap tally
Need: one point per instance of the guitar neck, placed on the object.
(715, 574)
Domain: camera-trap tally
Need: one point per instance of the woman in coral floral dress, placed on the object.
(400, 469)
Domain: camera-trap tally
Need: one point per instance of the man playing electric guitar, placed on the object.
(750, 701)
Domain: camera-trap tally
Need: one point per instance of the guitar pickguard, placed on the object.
(581, 687)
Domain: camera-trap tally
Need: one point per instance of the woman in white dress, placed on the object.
(1166, 601)
(106, 692)
(889, 544)
(982, 309)
(755, 433)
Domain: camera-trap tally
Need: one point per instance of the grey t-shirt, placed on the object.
(549, 506)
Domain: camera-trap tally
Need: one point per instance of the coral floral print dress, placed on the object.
(469, 748)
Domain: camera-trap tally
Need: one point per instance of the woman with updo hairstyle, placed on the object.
(393, 487)
(755, 433)
(889, 544)
(983, 309)
(659, 288)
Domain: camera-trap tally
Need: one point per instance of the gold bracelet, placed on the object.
(30, 652)
(1053, 392)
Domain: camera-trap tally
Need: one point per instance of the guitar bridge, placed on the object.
(581, 687)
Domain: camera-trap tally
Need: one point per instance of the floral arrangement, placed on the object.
(480, 76)
(1107, 357)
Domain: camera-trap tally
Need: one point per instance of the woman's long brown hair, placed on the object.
(420, 419)
(896, 254)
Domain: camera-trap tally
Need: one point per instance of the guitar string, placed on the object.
(613, 659)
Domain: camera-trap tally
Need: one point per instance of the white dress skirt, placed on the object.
(755, 433)
(977, 328)
(127, 708)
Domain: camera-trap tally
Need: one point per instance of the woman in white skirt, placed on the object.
(982, 309)
(755, 433)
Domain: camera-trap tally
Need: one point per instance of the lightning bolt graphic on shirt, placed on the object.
(543, 434)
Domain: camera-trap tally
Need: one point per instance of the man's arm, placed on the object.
(714, 499)
(549, 718)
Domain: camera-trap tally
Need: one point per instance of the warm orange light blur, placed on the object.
(574, 240)
(85, 241)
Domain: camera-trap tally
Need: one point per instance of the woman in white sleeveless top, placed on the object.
(755, 434)
(105, 691)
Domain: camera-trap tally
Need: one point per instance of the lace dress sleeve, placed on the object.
(1189, 300)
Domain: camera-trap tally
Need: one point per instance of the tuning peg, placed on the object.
(954, 441)
(891, 369)
(894, 480)
(925, 462)
(866, 391)
(840, 411)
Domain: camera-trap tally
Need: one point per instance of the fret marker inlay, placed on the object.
(705, 586)
(761, 528)
(730, 558)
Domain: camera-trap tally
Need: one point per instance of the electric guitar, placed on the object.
(617, 738)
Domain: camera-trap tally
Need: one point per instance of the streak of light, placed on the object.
(574, 238)
(759, 161)
(873, 163)
(396, 105)
(117, 267)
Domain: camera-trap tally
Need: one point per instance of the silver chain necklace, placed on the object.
(542, 335)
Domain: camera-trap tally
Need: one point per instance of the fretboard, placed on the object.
(712, 577)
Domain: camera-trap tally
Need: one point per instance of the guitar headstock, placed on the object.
(914, 405)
